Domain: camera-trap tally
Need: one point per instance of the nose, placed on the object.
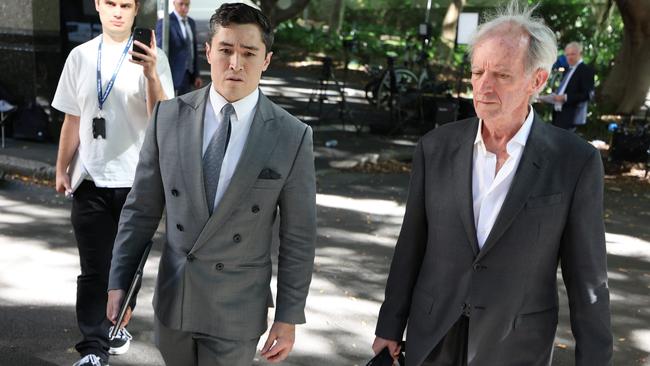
(485, 83)
(235, 62)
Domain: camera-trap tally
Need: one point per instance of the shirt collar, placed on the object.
(242, 107)
(519, 138)
(178, 16)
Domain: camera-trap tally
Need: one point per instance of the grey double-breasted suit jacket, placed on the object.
(552, 213)
(215, 271)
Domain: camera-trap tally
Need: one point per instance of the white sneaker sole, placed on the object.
(116, 351)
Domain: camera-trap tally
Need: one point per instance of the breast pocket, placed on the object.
(268, 184)
(544, 201)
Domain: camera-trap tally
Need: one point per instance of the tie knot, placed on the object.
(227, 110)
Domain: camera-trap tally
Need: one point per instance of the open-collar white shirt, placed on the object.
(240, 121)
(489, 187)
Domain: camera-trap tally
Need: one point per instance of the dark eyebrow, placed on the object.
(252, 48)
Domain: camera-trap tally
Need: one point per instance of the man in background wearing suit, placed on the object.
(495, 202)
(224, 162)
(183, 57)
(575, 91)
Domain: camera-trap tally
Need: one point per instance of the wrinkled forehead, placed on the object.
(503, 47)
(251, 33)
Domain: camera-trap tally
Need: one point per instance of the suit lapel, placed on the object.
(260, 143)
(462, 175)
(175, 26)
(530, 167)
(190, 152)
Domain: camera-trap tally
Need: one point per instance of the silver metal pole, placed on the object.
(426, 15)
(164, 6)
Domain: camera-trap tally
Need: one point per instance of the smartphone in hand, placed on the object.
(143, 35)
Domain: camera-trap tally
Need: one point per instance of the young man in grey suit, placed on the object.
(223, 161)
(495, 202)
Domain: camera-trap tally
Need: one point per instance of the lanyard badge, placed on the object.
(99, 123)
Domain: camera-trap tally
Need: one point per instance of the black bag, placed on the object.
(31, 123)
(384, 358)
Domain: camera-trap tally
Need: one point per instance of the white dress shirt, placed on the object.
(489, 188)
(240, 122)
(184, 29)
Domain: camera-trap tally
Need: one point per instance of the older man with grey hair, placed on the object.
(495, 203)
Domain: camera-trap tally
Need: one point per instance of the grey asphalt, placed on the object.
(359, 216)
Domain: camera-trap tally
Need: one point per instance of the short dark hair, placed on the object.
(239, 13)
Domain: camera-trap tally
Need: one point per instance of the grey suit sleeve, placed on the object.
(297, 203)
(407, 259)
(141, 212)
(584, 268)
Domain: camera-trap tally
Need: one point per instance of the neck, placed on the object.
(497, 133)
(115, 38)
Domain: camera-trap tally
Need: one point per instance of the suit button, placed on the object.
(175, 192)
(255, 209)
(218, 266)
(180, 227)
(190, 257)
(236, 238)
(478, 267)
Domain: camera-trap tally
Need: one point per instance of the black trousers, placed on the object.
(452, 349)
(95, 215)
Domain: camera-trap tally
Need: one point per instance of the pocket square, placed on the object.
(267, 173)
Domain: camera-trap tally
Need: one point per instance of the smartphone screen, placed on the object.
(143, 35)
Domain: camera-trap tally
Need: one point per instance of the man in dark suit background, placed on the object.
(182, 53)
(575, 90)
(494, 203)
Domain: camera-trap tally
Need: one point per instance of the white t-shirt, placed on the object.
(109, 162)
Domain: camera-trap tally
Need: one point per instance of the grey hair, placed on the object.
(574, 45)
(542, 44)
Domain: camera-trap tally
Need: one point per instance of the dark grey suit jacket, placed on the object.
(215, 271)
(553, 213)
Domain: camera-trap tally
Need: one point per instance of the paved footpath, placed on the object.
(359, 216)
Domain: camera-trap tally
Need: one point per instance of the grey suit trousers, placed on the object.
(179, 348)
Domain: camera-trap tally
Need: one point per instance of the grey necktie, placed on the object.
(214, 154)
(189, 42)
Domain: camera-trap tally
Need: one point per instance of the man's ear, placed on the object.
(207, 51)
(97, 5)
(267, 61)
(539, 80)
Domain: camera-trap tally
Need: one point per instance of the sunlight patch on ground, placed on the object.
(628, 246)
(345, 236)
(641, 338)
(371, 206)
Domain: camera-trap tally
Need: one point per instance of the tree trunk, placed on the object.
(276, 15)
(449, 25)
(336, 18)
(627, 85)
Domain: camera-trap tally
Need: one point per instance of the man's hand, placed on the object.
(393, 346)
(148, 59)
(198, 83)
(560, 98)
(280, 342)
(63, 182)
(115, 298)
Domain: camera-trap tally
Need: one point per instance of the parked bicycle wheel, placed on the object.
(405, 81)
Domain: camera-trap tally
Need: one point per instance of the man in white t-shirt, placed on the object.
(107, 102)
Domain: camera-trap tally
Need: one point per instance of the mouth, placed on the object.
(234, 78)
(117, 24)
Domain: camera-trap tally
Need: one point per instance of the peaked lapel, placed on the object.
(262, 138)
(530, 167)
(462, 175)
(190, 147)
(175, 26)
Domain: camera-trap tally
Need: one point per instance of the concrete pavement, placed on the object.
(359, 216)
